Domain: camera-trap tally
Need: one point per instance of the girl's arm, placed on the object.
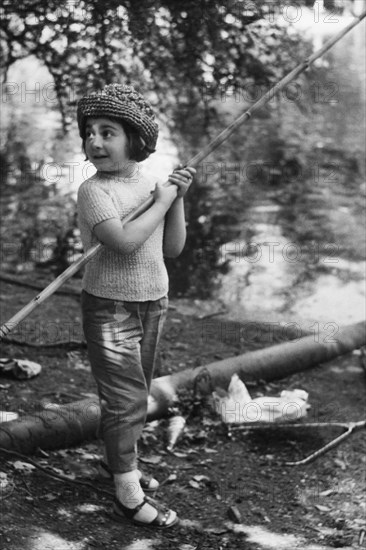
(175, 229)
(127, 237)
(175, 224)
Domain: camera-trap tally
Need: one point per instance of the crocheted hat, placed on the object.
(122, 102)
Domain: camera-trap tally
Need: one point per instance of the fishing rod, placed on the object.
(212, 146)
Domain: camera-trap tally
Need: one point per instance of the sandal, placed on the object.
(160, 522)
(145, 480)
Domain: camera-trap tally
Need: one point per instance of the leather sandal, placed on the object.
(160, 522)
(145, 480)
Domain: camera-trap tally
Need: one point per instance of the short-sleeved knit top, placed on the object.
(139, 276)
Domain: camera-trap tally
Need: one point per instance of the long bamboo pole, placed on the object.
(212, 146)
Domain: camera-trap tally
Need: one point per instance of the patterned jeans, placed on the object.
(122, 339)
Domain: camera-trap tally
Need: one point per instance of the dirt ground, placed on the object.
(232, 489)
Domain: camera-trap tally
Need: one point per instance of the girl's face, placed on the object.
(106, 144)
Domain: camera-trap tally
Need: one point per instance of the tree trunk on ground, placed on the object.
(268, 364)
(52, 428)
(72, 424)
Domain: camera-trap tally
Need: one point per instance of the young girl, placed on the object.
(125, 286)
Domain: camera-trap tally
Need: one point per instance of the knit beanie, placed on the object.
(125, 103)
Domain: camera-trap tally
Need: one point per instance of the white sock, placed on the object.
(128, 489)
(154, 484)
(130, 494)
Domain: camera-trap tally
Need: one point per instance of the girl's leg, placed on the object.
(114, 331)
(153, 315)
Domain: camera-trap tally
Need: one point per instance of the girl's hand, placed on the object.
(164, 195)
(182, 178)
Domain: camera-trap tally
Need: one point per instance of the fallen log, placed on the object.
(52, 427)
(72, 424)
(267, 364)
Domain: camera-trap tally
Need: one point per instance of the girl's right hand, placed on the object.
(165, 195)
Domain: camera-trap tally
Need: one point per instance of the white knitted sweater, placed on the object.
(139, 276)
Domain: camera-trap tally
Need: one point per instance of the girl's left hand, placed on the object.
(182, 178)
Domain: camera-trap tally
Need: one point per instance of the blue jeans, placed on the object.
(122, 339)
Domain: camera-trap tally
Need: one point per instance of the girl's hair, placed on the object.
(136, 145)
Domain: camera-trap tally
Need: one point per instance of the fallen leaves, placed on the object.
(50, 496)
(322, 508)
(77, 360)
(25, 467)
(234, 514)
(88, 508)
(170, 479)
(194, 484)
(341, 463)
(199, 481)
(327, 492)
(178, 454)
(22, 369)
(201, 478)
(6, 486)
(152, 459)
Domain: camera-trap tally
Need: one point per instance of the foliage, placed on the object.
(188, 56)
(175, 49)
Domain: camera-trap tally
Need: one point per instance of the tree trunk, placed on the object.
(270, 363)
(52, 428)
(74, 423)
